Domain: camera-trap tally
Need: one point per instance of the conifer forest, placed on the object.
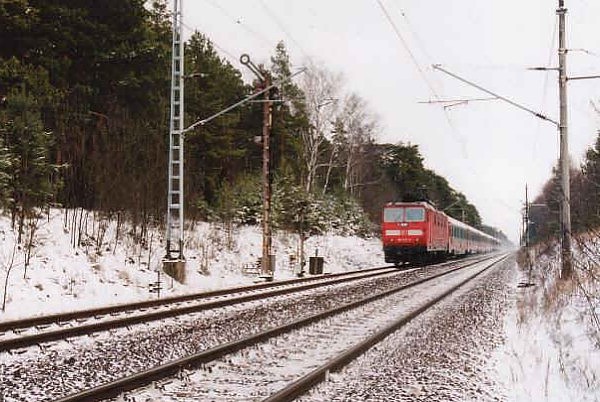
(84, 91)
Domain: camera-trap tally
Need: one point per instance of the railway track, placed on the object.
(272, 363)
(34, 331)
(21, 334)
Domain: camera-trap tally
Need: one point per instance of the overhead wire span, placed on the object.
(449, 103)
(432, 89)
(239, 22)
(546, 86)
(215, 44)
(504, 98)
(581, 15)
(407, 48)
(414, 33)
(588, 52)
(277, 21)
(459, 100)
(241, 102)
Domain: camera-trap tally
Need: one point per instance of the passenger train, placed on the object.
(418, 232)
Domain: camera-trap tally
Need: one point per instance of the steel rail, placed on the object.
(320, 374)
(138, 380)
(64, 333)
(61, 318)
(101, 311)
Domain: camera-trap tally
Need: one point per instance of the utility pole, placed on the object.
(266, 265)
(567, 263)
(266, 271)
(174, 261)
(526, 240)
(562, 126)
(526, 220)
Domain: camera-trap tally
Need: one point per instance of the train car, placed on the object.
(483, 242)
(464, 239)
(413, 231)
(458, 238)
(418, 232)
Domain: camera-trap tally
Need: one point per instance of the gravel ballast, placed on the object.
(441, 356)
(39, 375)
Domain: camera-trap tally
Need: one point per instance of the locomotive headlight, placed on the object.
(392, 233)
(415, 232)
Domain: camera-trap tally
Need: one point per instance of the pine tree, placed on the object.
(16, 17)
(289, 116)
(403, 164)
(27, 147)
(218, 151)
(6, 168)
(589, 195)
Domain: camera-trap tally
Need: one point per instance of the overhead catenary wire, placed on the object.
(241, 102)
(414, 33)
(588, 52)
(465, 100)
(238, 22)
(508, 100)
(215, 44)
(586, 12)
(281, 26)
(407, 48)
(429, 84)
(546, 86)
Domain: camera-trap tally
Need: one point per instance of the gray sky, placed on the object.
(487, 150)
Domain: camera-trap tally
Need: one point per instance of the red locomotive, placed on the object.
(417, 232)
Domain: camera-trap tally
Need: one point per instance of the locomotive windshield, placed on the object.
(415, 215)
(399, 214)
(393, 214)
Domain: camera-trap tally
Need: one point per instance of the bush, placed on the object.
(292, 208)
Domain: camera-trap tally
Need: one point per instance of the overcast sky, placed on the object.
(488, 150)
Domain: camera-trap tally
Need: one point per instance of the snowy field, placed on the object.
(106, 266)
(552, 334)
(550, 349)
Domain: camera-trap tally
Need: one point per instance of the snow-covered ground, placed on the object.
(551, 342)
(103, 269)
(552, 334)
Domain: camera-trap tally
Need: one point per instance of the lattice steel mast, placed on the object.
(174, 237)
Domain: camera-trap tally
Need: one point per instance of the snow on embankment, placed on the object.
(80, 260)
(552, 348)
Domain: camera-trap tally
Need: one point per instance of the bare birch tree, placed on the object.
(355, 131)
(321, 89)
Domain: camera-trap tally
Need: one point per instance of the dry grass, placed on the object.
(567, 310)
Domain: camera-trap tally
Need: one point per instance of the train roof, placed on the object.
(456, 222)
(451, 220)
(423, 204)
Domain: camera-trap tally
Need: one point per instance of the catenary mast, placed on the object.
(565, 200)
(174, 258)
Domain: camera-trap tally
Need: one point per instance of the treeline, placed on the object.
(84, 91)
(585, 200)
